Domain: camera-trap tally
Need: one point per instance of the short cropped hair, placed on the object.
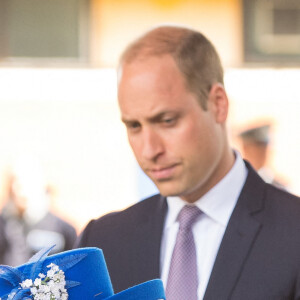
(194, 55)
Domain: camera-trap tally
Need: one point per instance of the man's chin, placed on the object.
(168, 190)
(173, 191)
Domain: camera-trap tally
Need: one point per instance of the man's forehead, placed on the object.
(148, 61)
(161, 68)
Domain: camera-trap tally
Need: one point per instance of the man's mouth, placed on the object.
(162, 173)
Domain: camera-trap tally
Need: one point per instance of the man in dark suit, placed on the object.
(245, 237)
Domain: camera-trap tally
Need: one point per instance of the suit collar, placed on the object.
(146, 254)
(242, 229)
(219, 202)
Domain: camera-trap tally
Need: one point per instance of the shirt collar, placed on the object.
(219, 202)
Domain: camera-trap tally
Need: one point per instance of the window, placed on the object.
(272, 31)
(43, 30)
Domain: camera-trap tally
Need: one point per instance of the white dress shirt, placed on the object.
(217, 206)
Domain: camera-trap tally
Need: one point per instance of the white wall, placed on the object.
(69, 120)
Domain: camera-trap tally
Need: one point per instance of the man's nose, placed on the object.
(152, 144)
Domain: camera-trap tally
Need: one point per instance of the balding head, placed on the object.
(194, 55)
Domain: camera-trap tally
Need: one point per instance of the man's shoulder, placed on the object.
(122, 223)
(269, 205)
(286, 203)
(262, 194)
(278, 206)
(138, 210)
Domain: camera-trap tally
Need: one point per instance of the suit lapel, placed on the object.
(238, 239)
(146, 260)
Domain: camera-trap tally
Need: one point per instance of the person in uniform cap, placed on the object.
(255, 149)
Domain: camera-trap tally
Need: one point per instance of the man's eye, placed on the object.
(133, 125)
(169, 121)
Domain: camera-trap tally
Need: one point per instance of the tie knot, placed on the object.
(187, 216)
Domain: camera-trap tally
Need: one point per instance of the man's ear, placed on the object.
(218, 102)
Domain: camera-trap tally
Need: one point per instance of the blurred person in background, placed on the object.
(255, 148)
(27, 224)
(216, 230)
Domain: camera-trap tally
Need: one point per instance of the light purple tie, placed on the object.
(182, 281)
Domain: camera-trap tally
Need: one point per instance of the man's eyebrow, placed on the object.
(160, 115)
(126, 121)
(152, 119)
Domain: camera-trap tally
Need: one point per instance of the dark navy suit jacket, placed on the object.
(258, 259)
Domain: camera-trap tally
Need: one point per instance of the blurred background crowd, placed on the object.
(62, 142)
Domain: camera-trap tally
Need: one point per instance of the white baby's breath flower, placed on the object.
(50, 287)
(50, 273)
(64, 296)
(26, 283)
(37, 282)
